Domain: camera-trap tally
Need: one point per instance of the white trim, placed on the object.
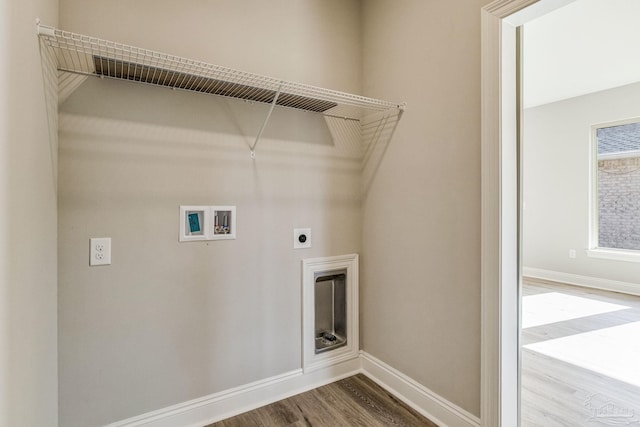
(620, 155)
(228, 403)
(310, 360)
(594, 225)
(614, 254)
(430, 404)
(593, 189)
(620, 122)
(495, 393)
(499, 242)
(533, 11)
(584, 281)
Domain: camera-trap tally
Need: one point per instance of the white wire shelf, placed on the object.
(90, 56)
(359, 126)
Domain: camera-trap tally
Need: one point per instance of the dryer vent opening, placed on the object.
(329, 311)
(330, 303)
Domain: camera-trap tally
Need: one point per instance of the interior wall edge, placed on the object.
(28, 225)
(425, 196)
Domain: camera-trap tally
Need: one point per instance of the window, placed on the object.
(617, 187)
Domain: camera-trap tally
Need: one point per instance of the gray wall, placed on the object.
(420, 303)
(28, 352)
(169, 321)
(557, 143)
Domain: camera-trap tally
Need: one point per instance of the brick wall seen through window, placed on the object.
(618, 189)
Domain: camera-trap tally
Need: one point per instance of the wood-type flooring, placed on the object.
(353, 401)
(580, 361)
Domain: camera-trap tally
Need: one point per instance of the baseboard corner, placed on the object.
(426, 402)
(225, 404)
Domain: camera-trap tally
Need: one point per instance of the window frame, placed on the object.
(594, 250)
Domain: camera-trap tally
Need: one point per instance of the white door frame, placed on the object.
(500, 388)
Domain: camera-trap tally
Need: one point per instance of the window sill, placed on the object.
(614, 254)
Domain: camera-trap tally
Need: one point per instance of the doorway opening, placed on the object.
(578, 148)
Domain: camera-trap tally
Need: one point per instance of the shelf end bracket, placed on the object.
(266, 120)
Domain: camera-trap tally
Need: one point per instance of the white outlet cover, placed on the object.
(100, 251)
(300, 242)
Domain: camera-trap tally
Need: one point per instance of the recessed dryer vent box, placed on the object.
(207, 223)
(224, 222)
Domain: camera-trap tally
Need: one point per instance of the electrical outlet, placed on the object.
(572, 253)
(100, 251)
(301, 238)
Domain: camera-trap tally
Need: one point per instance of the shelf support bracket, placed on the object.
(266, 120)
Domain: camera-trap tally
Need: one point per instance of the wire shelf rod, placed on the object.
(264, 124)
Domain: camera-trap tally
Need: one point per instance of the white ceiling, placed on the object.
(584, 47)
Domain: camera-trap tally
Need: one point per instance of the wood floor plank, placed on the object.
(354, 401)
(280, 413)
(318, 408)
(380, 404)
(557, 393)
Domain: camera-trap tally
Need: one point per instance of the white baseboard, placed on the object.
(584, 281)
(431, 405)
(218, 406)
